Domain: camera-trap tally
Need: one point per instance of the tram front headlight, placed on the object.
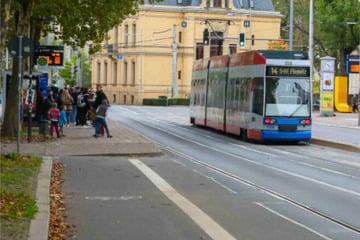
(306, 121)
(269, 120)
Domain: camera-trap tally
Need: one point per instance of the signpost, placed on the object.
(19, 47)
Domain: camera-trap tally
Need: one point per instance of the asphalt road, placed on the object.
(209, 185)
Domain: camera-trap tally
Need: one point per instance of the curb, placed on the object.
(39, 226)
(334, 144)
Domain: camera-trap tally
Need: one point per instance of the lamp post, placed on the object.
(358, 99)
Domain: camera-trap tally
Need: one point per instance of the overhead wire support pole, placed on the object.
(291, 34)
(174, 60)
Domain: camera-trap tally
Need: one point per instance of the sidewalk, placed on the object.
(348, 120)
(78, 141)
(348, 136)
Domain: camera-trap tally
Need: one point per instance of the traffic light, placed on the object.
(206, 37)
(242, 39)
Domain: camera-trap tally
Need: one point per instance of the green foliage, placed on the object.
(332, 19)
(18, 177)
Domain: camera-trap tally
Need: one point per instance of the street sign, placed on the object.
(119, 56)
(14, 43)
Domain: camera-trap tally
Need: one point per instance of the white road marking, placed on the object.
(105, 198)
(205, 222)
(292, 221)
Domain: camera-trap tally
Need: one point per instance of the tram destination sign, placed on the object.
(288, 71)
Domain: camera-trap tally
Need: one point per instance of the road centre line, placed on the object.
(205, 222)
(292, 221)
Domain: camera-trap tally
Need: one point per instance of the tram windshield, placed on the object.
(287, 97)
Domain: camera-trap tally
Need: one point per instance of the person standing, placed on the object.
(100, 119)
(54, 115)
(62, 120)
(75, 117)
(83, 106)
(68, 101)
(355, 103)
(99, 98)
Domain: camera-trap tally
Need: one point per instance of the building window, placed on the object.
(180, 37)
(125, 73)
(126, 35)
(132, 99)
(232, 48)
(116, 38)
(98, 71)
(105, 72)
(124, 99)
(133, 71)
(217, 3)
(216, 44)
(207, 3)
(115, 73)
(134, 34)
(199, 50)
(179, 75)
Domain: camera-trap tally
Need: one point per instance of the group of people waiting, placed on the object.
(75, 106)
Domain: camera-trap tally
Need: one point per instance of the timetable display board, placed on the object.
(53, 54)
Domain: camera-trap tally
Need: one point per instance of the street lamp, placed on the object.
(358, 99)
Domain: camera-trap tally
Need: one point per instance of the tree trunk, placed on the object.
(10, 124)
(22, 21)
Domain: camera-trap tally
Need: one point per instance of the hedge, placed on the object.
(166, 101)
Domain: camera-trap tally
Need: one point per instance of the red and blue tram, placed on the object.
(259, 95)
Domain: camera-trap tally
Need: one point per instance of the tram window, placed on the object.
(258, 95)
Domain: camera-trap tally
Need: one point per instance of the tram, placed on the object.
(258, 95)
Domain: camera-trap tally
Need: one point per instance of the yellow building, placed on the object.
(151, 54)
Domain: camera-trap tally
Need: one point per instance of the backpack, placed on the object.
(80, 100)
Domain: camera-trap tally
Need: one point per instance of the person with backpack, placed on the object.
(83, 106)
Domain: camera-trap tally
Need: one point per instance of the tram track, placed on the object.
(275, 194)
(267, 191)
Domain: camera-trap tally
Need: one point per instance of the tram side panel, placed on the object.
(240, 114)
(198, 92)
(215, 109)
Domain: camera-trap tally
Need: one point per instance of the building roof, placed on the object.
(263, 5)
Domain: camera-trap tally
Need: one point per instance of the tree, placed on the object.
(86, 21)
(332, 35)
(338, 38)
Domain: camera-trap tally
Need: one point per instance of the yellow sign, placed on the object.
(327, 101)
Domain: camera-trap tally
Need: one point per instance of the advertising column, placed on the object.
(327, 86)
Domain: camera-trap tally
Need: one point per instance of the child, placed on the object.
(54, 115)
(100, 119)
(62, 120)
